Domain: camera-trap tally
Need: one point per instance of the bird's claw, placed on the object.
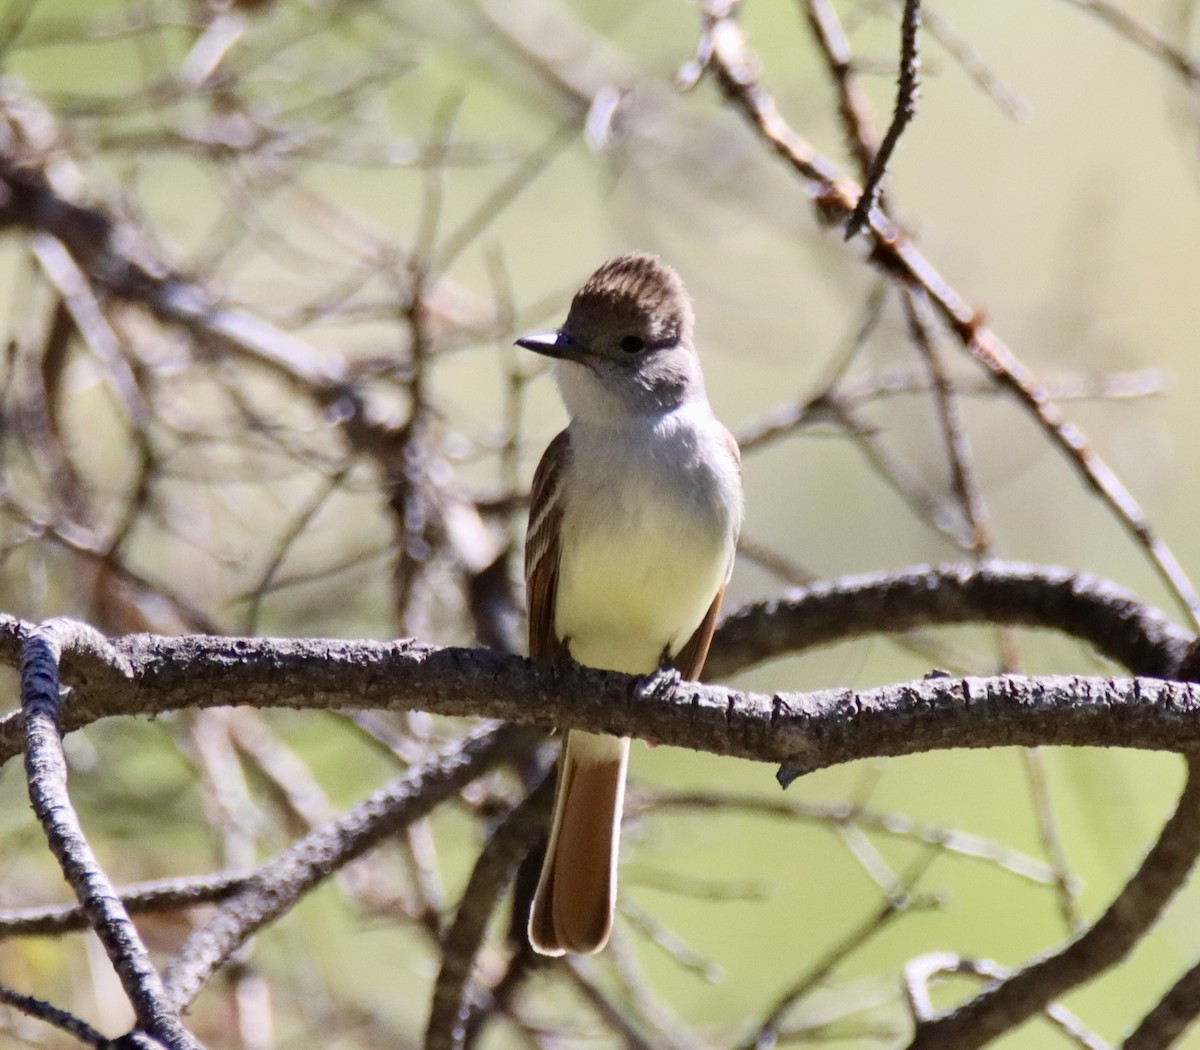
(659, 685)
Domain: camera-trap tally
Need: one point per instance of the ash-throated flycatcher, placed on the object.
(634, 517)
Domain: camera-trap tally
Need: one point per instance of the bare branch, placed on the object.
(723, 50)
(280, 884)
(60, 1019)
(159, 895)
(920, 972)
(803, 731)
(1002, 1006)
(1171, 1016)
(841, 814)
(906, 109)
(853, 105)
(145, 674)
(514, 836)
(46, 772)
(1107, 617)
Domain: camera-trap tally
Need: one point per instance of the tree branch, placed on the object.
(514, 837)
(52, 1015)
(723, 50)
(46, 773)
(281, 883)
(1001, 1007)
(141, 674)
(1109, 618)
(804, 731)
(920, 972)
(1171, 1016)
(906, 109)
(147, 897)
(151, 675)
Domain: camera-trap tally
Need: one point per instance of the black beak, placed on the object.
(551, 344)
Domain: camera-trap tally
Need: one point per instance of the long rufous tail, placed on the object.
(577, 892)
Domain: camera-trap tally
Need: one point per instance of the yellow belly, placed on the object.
(636, 583)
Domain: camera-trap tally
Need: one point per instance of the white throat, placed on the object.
(610, 399)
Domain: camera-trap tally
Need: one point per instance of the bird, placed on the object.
(635, 511)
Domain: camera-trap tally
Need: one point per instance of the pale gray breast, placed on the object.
(675, 477)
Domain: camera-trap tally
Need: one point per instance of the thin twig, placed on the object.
(656, 1015)
(494, 869)
(585, 978)
(960, 49)
(52, 1015)
(920, 972)
(144, 898)
(281, 883)
(970, 499)
(1142, 36)
(840, 814)
(1067, 885)
(906, 109)
(853, 104)
(767, 1031)
(898, 382)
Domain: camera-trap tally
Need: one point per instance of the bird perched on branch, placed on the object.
(634, 517)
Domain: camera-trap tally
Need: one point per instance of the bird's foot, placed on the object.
(659, 685)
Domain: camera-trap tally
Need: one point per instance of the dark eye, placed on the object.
(633, 344)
